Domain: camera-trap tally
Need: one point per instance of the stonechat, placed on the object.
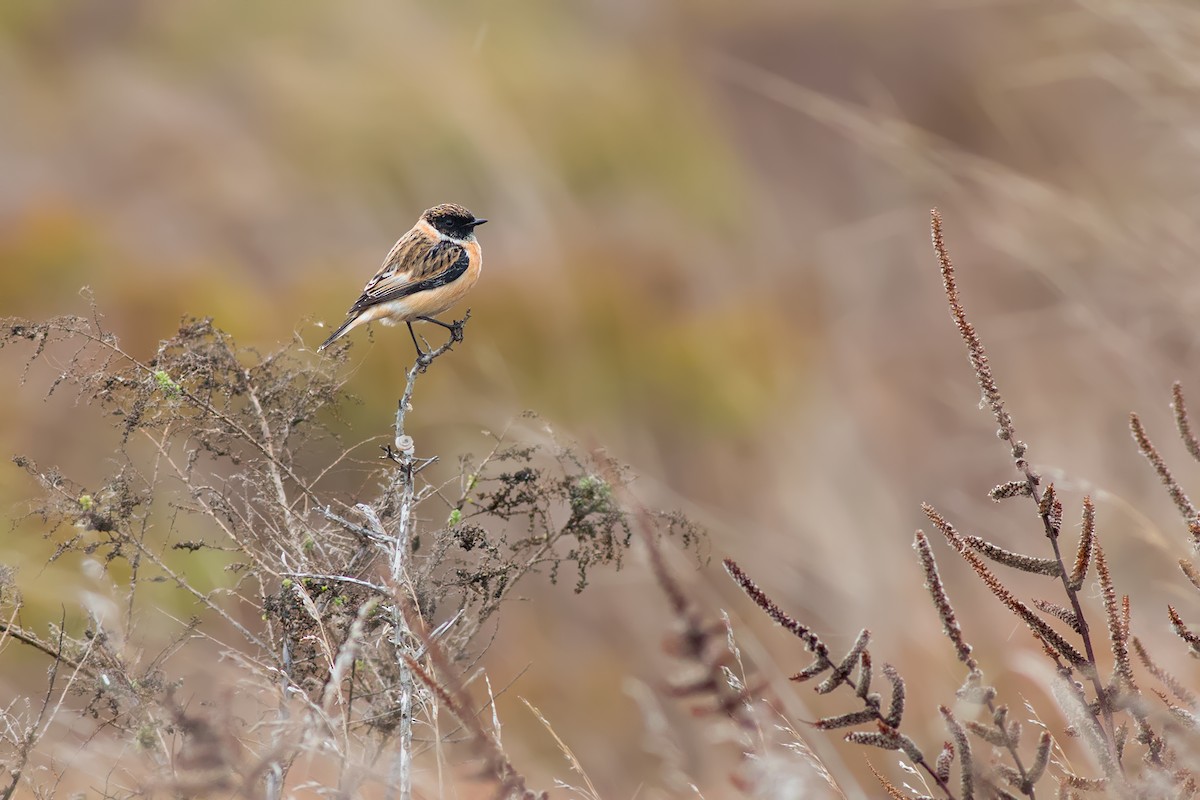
(430, 269)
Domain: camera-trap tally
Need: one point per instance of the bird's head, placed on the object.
(453, 220)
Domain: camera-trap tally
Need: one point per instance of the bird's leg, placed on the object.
(423, 359)
(445, 325)
(455, 328)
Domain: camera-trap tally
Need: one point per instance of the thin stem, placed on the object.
(422, 363)
(1018, 451)
(273, 462)
(400, 783)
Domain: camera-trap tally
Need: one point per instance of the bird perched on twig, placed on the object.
(427, 271)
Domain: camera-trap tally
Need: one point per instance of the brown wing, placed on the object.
(414, 265)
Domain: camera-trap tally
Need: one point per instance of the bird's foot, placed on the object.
(457, 326)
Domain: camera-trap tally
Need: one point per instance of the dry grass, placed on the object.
(721, 212)
(355, 649)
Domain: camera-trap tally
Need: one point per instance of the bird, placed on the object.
(428, 270)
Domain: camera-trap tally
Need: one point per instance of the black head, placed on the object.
(452, 220)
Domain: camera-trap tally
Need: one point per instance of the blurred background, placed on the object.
(708, 252)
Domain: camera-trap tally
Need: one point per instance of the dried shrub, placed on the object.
(349, 620)
(1141, 746)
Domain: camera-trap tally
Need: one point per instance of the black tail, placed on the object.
(333, 336)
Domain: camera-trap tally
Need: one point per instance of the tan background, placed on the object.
(708, 252)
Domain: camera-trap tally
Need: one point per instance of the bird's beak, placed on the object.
(478, 222)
